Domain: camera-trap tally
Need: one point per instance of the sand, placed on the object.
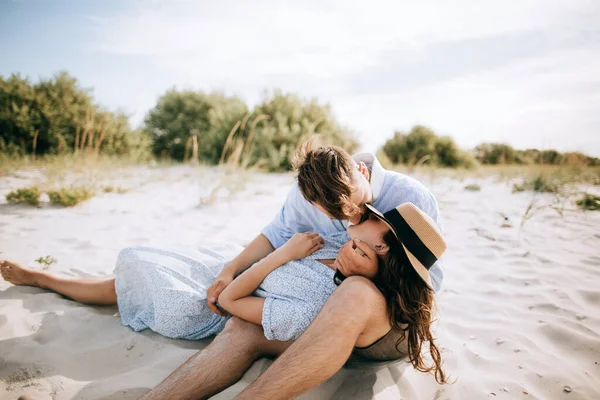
(519, 314)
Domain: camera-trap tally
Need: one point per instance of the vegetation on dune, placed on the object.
(500, 153)
(181, 115)
(70, 196)
(217, 127)
(422, 144)
(46, 262)
(29, 195)
(66, 196)
(589, 202)
(56, 116)
(114, 189)
(541, 183)
(291, 121)
(473, 188)
(58, 120)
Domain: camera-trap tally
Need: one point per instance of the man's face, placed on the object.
(361, 191)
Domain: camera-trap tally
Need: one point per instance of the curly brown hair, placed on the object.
(410, 304)
(325, 178)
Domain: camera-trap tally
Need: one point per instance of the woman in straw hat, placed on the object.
(407, 242)
(166, 291)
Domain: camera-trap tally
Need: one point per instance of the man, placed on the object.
(331, 191)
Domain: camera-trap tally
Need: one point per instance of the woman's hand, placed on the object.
(214, 291)
(301, 245)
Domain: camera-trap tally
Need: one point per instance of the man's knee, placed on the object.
(250, 338)
(238, 327)
(245, 335)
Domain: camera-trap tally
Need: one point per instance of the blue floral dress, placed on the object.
(165, 290)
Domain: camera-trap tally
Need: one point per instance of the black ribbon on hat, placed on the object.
(410, 239)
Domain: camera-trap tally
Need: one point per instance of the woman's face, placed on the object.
(370, 233)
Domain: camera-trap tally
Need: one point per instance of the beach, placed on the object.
(518, 314)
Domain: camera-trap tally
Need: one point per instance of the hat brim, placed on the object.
(416, 264)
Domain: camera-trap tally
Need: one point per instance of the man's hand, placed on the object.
(214, 290)
(357, 258)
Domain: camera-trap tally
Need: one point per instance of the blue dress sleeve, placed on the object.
(284, 320)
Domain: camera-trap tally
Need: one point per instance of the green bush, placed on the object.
(267, 137)
(422, 144)
(28, 195)
(179, 115)
(70, 196)
(589, 202)
(500, 153)
(57, 116)
(290, 121)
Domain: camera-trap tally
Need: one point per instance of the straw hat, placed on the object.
(418, 234)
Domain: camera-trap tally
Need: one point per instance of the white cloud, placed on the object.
(323, 48)
(321, 39)
(534, 103)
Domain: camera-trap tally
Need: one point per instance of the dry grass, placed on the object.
(555, 174)
(235, 160)
(55, 168)
(237, 150)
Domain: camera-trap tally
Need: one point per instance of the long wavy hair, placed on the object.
(410, 304)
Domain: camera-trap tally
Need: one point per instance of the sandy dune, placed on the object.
(519, 313)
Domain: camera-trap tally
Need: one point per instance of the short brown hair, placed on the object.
(325, 178)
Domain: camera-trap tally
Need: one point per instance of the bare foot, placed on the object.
(18, 275)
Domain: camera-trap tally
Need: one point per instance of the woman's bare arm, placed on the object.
(237, 297)
(259, 248)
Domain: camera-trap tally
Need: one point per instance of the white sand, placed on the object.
(519, 312)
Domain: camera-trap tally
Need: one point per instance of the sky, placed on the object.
(522, 72)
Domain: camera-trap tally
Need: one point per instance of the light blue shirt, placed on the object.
(390, 189)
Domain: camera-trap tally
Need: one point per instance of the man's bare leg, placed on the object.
(87, 291)
(355, 315)
(220, 364)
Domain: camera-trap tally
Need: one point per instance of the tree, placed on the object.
(421, 143)
(448, 154)
(291, 121)
(56, 115)
(497, 153)
(180, 114)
